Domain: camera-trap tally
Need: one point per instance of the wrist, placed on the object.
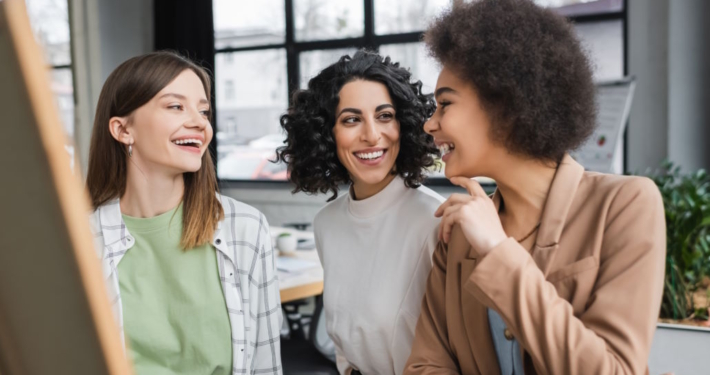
(492, 244)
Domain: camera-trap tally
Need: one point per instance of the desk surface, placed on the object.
(301, 284)
(304, 283)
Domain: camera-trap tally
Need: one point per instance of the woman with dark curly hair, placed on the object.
(561, 271)
(360, 122)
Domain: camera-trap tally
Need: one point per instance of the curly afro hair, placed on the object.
(310, 149)
(528, 68)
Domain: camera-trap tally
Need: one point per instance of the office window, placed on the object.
(260, 61)
(332, 19)
(244, 23)
(415, 57)
(404, 16)
(311, 63)
(50, 23)
(575, 8)
(604, 41)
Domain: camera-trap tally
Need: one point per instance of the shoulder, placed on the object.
(105, 217)
(94, 222)
(621, 201)
(426, 198)
(331, 210)
(622, 189)
(241, 216)
(95, 227)
(237, 209)
(417, 209)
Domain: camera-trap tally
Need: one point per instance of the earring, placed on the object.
(130, 150)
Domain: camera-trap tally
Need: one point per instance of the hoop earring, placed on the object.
(130, 150)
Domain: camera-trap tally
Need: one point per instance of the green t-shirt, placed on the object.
(174, 313)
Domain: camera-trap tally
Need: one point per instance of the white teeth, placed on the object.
(188, 141)
(446, 148)
(370, 155)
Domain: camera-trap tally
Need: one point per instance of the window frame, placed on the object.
(372, 41)
(53, 67)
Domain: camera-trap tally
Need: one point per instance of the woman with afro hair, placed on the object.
(561, 270)
(360, 123)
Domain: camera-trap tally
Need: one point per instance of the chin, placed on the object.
(374, 178)
(188, 168)
(449, 171)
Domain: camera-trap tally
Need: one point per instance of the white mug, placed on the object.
(287, 244)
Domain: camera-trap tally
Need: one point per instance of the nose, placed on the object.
(197, 120)
(431, 125)
(370, 132)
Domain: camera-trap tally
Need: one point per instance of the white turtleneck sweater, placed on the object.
(376, 254)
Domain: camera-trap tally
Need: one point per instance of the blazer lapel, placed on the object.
(554, 215)
(474, 315)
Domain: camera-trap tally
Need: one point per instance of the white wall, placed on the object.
(681, 350)
(669, 54)
(648, 61)
(689, 83)
(104, 34)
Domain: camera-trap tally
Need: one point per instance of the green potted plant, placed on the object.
(686, 198)
(681, 341)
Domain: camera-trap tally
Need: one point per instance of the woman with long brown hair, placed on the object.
(190, 273)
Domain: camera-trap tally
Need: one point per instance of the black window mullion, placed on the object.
(329, 44)
(369, 35)
(412, 37)
(292, 68)
(249, 48)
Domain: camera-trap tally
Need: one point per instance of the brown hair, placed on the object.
(130, 86)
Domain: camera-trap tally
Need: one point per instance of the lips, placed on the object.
(190, 142)
(445, 147)
(370, 155)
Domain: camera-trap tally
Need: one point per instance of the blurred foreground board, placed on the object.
(55, 317)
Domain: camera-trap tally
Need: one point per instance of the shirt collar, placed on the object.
(379, 202)
(118, 240)
(116, 235)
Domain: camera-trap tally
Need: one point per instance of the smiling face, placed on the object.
(367, 133)
(171, 132)
(460, 127)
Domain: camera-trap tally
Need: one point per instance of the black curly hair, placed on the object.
(528, 68)
(310, 149)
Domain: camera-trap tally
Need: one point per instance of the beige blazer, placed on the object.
(585, 300)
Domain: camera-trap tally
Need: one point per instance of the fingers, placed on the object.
(472, 186)
(453, 199)
(448, 221)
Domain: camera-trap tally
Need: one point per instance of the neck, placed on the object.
(151, 193)
(363, 190)
(523, 185)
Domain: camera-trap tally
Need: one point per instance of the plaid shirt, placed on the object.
(247, 270)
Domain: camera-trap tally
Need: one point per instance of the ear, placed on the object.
(118, 126)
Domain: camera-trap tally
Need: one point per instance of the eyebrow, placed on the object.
(383, 106)
(359, 112)
(353, 110)
(182, 97)
(444, 90)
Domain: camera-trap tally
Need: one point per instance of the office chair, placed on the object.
(307, 349)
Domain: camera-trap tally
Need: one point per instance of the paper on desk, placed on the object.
(290, 264)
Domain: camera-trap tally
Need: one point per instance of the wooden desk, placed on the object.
(302, 284)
